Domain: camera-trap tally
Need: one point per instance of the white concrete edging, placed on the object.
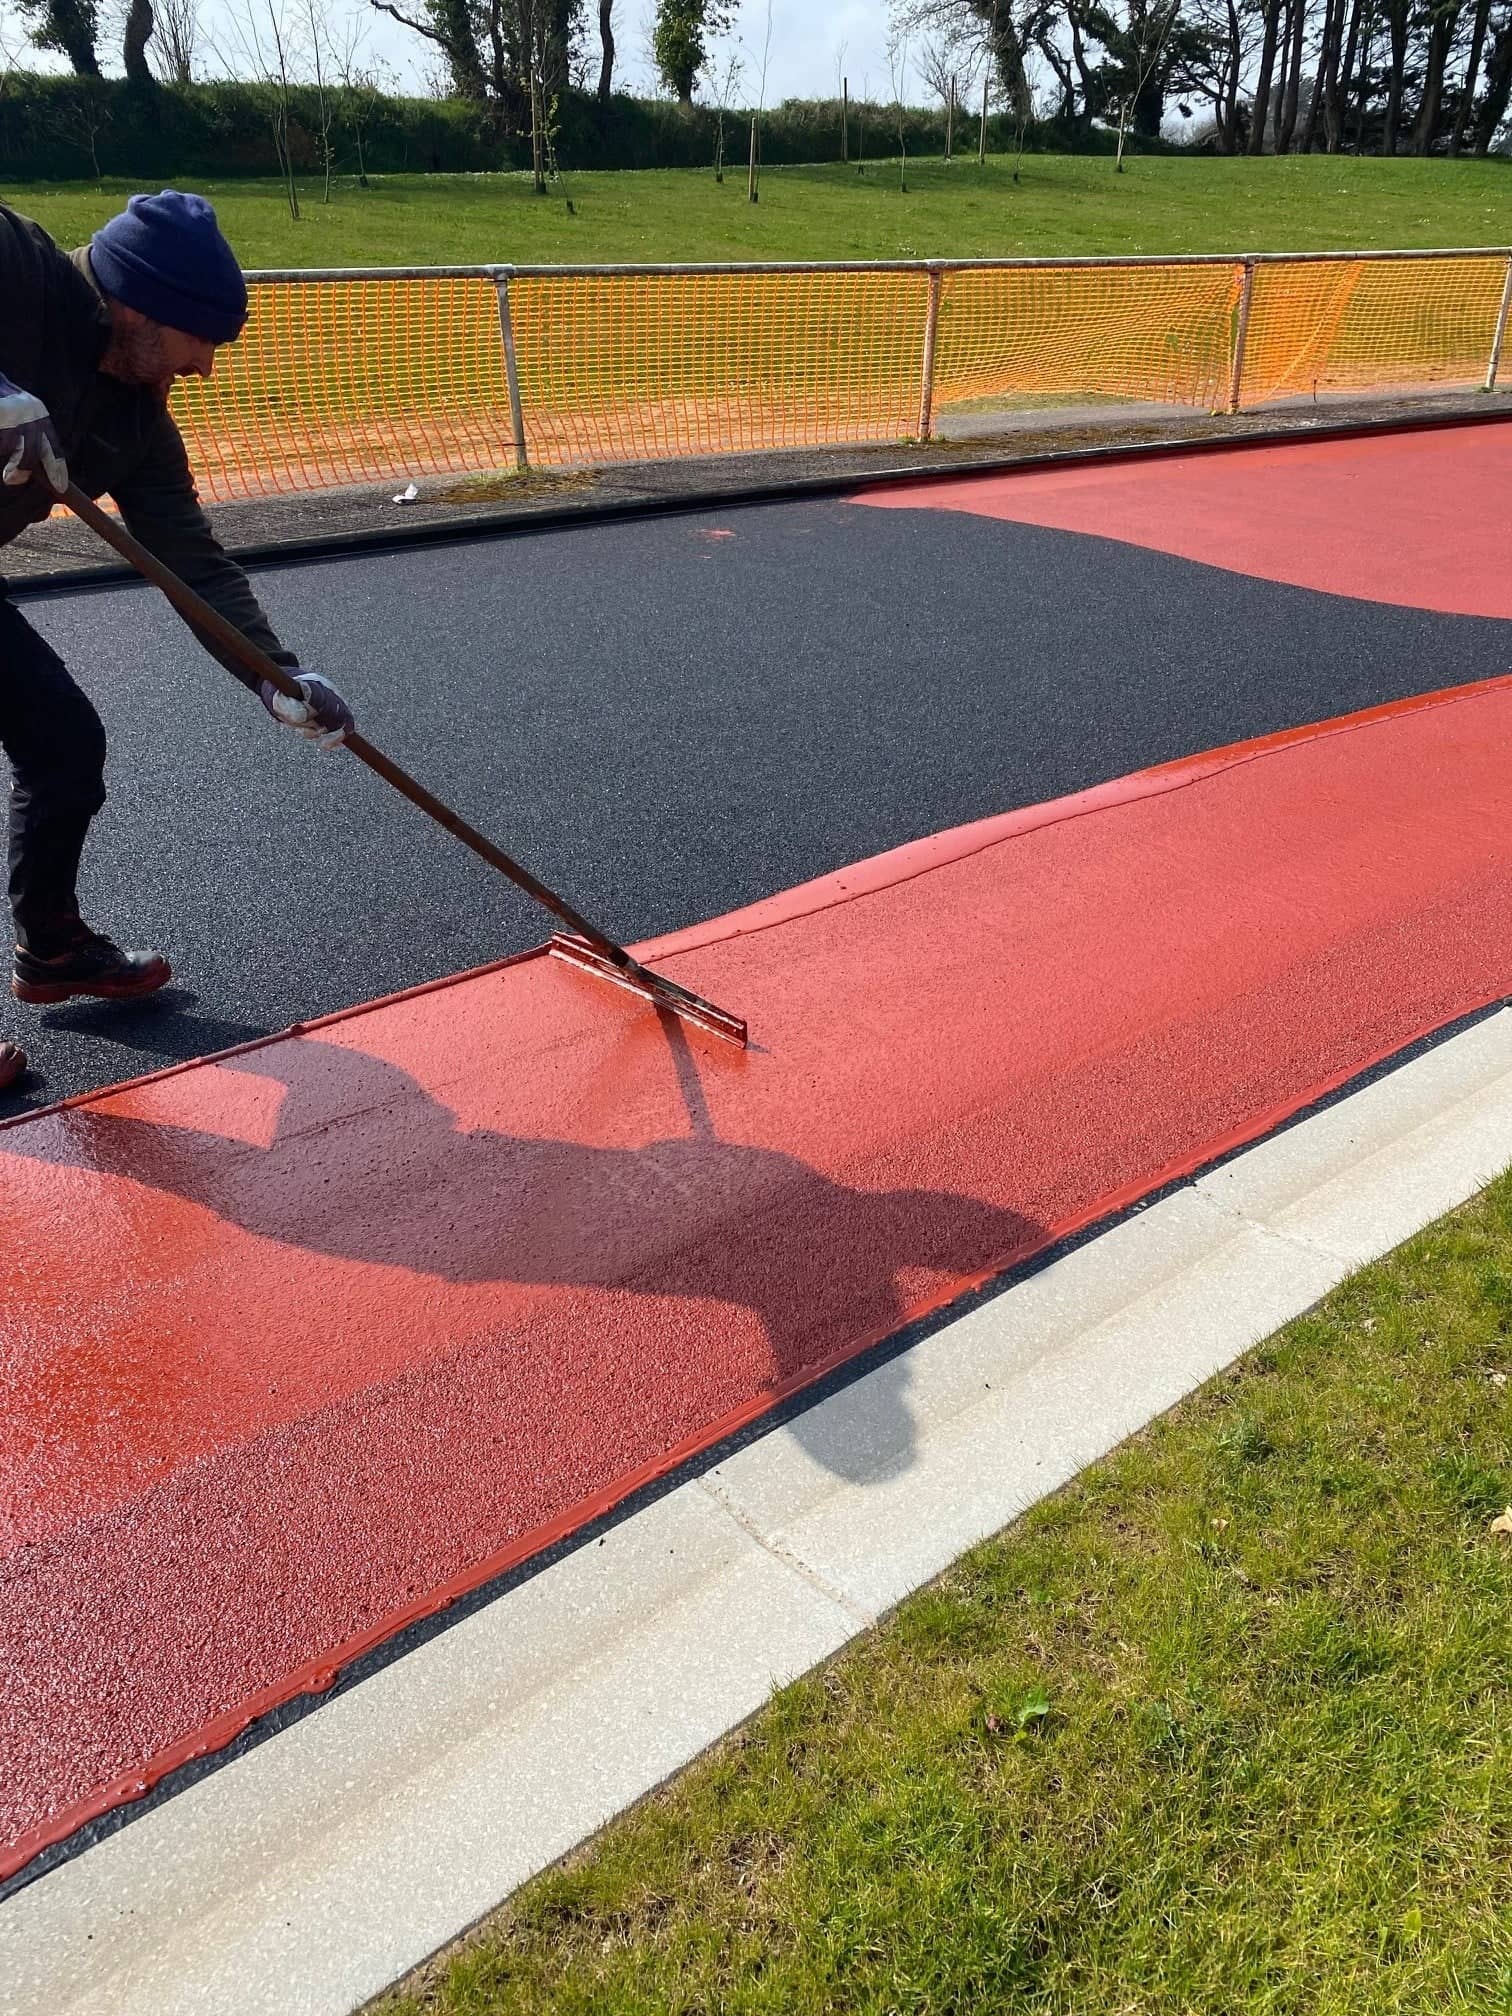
(310, 1873)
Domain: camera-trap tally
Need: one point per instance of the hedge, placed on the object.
(59, 128)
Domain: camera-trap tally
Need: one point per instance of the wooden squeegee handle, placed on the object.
(257, 666)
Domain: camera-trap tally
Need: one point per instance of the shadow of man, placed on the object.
(163, 1030)
(366, 1165)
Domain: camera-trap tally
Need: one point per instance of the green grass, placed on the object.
(1221, 1729)
(1064, 204)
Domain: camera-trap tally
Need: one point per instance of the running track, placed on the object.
(351, 1320)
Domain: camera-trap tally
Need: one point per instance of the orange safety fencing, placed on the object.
(344, 379)
(352, 381)
(1012, 334)
(617, 367)
(1366, 325)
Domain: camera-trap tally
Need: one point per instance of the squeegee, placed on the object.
(582, 944)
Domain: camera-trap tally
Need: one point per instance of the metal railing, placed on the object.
(362, 374)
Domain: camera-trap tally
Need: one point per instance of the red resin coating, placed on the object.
(302, 1341)
(1421, 520)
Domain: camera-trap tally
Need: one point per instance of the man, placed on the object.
(90, 345)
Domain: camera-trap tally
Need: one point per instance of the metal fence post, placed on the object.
(511, 371)
(1500, 336)
(1241, 334)
(931, 323)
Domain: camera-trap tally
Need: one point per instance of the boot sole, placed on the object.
(47, 993)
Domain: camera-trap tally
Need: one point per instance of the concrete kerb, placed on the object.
(310, 1873)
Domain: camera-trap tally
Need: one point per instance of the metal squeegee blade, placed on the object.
(654, 987)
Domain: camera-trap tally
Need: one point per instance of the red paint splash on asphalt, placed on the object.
(301, 1342)
(1420, 520)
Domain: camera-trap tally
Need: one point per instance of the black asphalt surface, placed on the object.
(665, 719)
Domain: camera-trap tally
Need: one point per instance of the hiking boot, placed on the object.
(92, 966)
(12, 1064)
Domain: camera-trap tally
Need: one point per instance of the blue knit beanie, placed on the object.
(165, 257)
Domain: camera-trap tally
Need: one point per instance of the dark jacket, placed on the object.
(54, 329)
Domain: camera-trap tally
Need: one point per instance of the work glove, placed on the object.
(29, 446)
(321, 716)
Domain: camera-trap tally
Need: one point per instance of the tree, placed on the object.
(720, 82)
(947, 65)
(1021, 115)
(1398, 17)
(264, 42)
(606, 45)
(137, 34)
(362, 88)
(680, 41)
(515, 56)
(81, 117)
(177, 39)
(1214, 52)
(1337, 107)
(1008, 41)
(1357, 78)
(1140, 58)
(1058, 42)
(1472, 76)
(1492, 109)
(67, 27)
(1323, 100)
(1270, 35)
(535, 34)
(323, 61)
(996, 34)
(1443, 18)
(448, 24)
(897, 72)
(753, 175)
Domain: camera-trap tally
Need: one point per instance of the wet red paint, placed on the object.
(1420, 520)
(303, 1341)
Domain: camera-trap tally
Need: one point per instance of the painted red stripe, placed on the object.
(302, 1342)
(1418, 520)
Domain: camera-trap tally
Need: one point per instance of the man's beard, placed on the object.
(135, 357)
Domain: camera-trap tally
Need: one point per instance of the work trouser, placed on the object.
(55, 744)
